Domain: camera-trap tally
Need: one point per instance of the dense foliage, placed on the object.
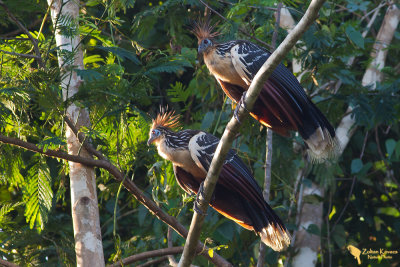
(139, 55)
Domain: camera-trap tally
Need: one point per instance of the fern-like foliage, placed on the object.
(38, 196)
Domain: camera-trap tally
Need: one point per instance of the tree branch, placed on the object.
(25, 30)
(233, 127)
(5, 263)
(148, 254)
(268, 146)
(19, 54)
(119, 176)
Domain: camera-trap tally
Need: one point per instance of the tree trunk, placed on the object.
(306, 243)
(85, 213)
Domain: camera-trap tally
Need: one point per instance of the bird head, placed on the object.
(205, 35)
(164, 122)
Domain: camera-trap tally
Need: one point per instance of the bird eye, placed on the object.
(155, 132)
(205, 41)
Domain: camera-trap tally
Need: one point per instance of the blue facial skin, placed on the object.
(154, 134)
(203, 45)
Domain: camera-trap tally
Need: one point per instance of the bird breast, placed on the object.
(222, 68)
(180, 158)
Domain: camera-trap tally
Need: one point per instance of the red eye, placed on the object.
(205, 41)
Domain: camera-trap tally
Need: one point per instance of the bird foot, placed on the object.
(197, 201)
(241, 103)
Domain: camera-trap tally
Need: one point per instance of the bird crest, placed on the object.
(204, 30)
(166, 119)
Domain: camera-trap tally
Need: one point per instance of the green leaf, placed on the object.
(356, 165)
(313, 229)
(355, 36)
(122, 53)
(142, 214)
(207, 120)
(390, 146)
(339, 235)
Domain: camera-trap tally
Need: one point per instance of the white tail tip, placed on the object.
(322, 146)
(275, 237)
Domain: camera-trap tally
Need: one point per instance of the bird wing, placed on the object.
(185, 180)
(248, 58)
(234, 174)
(281, 94)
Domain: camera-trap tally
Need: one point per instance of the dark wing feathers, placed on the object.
(185, 180)
(234, 174)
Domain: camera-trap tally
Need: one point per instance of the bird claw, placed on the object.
(241, 103)
(200, 192)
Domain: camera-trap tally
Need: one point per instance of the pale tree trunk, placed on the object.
(85, 212)
(307, 245)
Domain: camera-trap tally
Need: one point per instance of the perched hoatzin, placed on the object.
(282, 104)
(237, 195)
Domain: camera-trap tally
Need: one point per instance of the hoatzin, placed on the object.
(237, 195)
(282, 104)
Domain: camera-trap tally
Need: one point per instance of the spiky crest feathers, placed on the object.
(166, 119)
(204, 30)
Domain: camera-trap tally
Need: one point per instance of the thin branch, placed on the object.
(26, 31)
(241, 30)
(19, 54)
(5, 263)
(345, 206)
(148, 254)
(18, 31)
(114, 171)
(153, 262)
(268, 146)
(233, 127)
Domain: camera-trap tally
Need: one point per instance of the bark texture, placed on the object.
(305, 243)
(85, 213)
(233, 127)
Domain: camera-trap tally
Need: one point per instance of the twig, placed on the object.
(241, 30)
(25, 30)
(171, 258)
(268, 146)
(128, 184)
(233, 128)
(7, 263)
(345, 205)
(148, 254)
(17, 31)
(153, 262)
(19, 54)
(327, 230)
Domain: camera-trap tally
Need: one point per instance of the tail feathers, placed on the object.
(275, 236)
(322, 146)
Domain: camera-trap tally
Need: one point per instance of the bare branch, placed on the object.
(268, 146)
(25, 30)
(5, 263)
(19, 54)
(233, 127)
(241, 30)
(148, 254)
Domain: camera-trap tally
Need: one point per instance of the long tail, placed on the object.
(319, 135)
(282, 111)
(269, 227)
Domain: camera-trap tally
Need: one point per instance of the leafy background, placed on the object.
(139, 55)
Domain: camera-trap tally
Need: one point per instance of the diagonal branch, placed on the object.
(119, 176)
(20, 55)
(148, 254)
(25, 30)
(233, 127)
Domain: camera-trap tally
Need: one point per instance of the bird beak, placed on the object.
(151, 139)
(201, 49)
